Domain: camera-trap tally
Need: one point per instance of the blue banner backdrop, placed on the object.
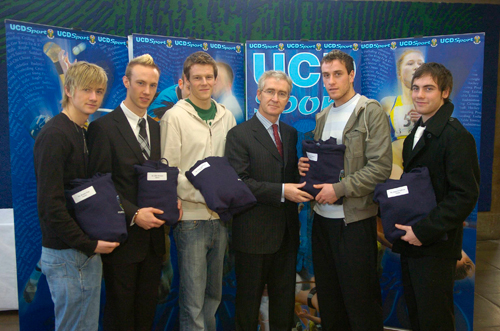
(36, 62)
(170, 52)
(381, 73)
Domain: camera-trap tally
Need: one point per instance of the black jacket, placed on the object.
(114, 149)
(448, 150)
(253, 154)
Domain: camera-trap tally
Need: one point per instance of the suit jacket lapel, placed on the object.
(434, 127)
(127, 133)
(410, 151)
(154, 139)
(262, 136)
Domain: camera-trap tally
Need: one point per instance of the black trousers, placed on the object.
(131, 293)
(253, 272)
(428, 290)
(345, 267)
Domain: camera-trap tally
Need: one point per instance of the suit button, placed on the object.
(429, 135)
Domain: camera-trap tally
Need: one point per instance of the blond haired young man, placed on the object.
(61, 155)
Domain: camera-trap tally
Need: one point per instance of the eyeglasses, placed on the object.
(271, 93)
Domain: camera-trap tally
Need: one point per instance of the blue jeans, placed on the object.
(200, 248)
(75, 287)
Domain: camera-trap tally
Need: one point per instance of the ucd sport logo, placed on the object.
(477, 40)
(238, 49)
(169, 43)
(205, 46)
(281, 47)
(318, 47)
(355, 46)
(92, 39)
(434, 42)
(50, 34)
(393, 45)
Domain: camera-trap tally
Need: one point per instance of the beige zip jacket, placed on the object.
(185, 139)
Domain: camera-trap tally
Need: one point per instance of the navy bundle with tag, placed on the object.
(98, 208)
(158, 189)
(326, 164)
(224, 192)
(405, 201)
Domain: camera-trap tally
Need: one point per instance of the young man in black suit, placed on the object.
(118, 141)
(431, 248)
(266, 238)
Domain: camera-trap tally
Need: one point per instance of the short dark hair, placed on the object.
(440, 75)
(199, 57)
(344, 58)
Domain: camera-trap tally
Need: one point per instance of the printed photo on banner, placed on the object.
(170, 52)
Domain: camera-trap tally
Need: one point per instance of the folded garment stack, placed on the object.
(98, 208)
(326, 164)
(224, 192)
(405, 201)
(158, 189)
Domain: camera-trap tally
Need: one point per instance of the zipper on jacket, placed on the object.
(211, 147)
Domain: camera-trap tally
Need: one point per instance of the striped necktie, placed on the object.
(143, 138)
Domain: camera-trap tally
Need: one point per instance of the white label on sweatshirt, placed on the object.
(312, 156)
(85, 194)
(155, 176)
(398, 191)
(200, 168)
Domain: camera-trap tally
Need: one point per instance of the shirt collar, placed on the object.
(131, 116)
(354, 100)
(267, 123)
(437, 122)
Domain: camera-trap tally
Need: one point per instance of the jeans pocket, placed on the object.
(53, 270)
(88, 260)
(183, 226)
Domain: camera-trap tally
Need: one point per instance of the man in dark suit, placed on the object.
(266, 238)
(118, 141)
